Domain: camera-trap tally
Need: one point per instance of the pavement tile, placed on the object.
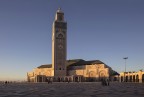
(83, 89)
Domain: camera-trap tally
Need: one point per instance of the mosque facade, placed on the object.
(62, 69)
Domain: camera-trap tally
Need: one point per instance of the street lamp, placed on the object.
(125, 58)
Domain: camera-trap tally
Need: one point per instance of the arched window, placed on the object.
(60, 36)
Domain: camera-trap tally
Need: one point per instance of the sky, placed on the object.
(106, 30)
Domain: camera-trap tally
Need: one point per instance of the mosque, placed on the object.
(61, 69)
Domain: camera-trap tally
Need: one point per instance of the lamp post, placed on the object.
(125, 58)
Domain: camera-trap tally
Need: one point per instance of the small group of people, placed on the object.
(105, 82)
(63, 80)
(49, 80)
(67, 80)
(6, 82)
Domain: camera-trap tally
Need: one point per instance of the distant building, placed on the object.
(67, 70)
(132, 76)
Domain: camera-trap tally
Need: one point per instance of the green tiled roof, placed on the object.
(75, 62)
(83, 62)
(114, 73)
(45, 66)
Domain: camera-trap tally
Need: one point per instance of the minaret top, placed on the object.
(59, 15)
(59, 10)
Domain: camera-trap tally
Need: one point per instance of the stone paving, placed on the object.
(83, 89)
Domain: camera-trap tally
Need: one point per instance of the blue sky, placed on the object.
(107, 30)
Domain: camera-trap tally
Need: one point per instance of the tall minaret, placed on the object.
(59, 44)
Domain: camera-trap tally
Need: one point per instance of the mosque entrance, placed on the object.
(130, 78)
(137, 78)
(122, 79)
(126, 79)
(133, 78)
(143, 78)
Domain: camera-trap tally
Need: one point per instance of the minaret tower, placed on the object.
(59, 44)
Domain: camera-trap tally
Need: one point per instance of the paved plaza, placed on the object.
(83, 89)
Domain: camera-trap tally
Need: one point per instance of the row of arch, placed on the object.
(66, 79)
(41, 78)
(132, 78)
(91, 76)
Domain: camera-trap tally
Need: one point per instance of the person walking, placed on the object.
(48, 80)
(107, 82)
(51, 80)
